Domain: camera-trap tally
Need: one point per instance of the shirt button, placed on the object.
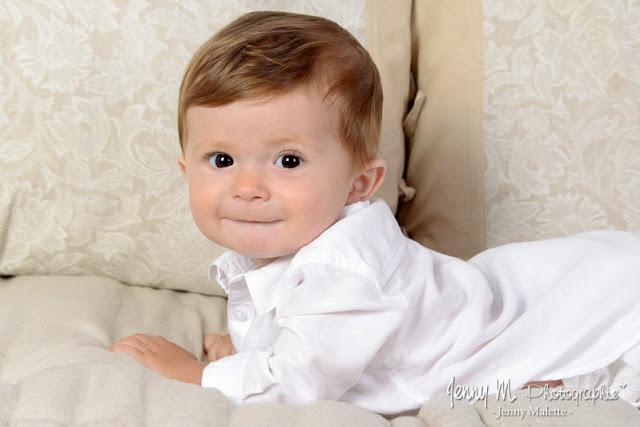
(240, 315)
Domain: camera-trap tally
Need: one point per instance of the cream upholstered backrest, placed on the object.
(89, 181)
(529, 127)
(561, 123)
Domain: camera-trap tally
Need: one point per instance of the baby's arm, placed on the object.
(331, 327)
(164, 357)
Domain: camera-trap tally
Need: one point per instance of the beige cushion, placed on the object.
(445, 153)
(389, 43)
(57, 370)
(89, 182)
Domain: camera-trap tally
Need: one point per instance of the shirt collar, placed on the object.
(228, 267)
(264, 284)
(366, 239)
(267, 283)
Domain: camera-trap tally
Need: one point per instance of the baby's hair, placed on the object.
(266, 54)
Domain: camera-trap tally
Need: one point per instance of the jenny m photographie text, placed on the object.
(541, 400)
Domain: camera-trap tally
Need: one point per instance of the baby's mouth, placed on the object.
(254, 221)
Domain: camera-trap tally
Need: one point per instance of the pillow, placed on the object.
(562, 118)
(89, 181)
(444, 164)
(388, 35)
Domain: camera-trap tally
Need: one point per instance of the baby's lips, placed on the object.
(254, 220)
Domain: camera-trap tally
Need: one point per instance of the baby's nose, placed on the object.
(250, 185)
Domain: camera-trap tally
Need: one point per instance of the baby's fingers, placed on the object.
(133, 346)
(211, 340)
(218, 346)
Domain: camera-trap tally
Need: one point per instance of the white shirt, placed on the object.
(365, 315)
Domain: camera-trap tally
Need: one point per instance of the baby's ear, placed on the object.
(183, 165)
(368, 181)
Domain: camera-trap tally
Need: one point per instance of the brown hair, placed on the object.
(264, 54)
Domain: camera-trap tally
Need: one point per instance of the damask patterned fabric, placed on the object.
(561, 117)
(89, 181)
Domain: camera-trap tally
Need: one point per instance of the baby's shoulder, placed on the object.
(366, 241)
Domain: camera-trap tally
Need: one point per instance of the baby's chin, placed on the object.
(264, 249)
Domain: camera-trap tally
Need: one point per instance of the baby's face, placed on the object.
(266, 177)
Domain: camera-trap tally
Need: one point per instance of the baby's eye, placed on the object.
(221, 160)
(288, 161)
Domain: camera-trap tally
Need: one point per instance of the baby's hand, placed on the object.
(164, 357)
(218, 346)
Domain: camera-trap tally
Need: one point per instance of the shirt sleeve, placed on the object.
(226, 375)
(332, 325)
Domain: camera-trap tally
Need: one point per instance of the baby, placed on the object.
(279, 122)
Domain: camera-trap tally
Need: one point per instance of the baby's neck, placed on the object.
(262, 262)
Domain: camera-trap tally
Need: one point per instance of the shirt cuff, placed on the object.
(227, 375)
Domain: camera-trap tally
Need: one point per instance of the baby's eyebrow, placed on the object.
(283, 135)
(289, 141)
(207, 144)
(278, 141)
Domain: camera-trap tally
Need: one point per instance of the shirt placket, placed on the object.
(241, 312)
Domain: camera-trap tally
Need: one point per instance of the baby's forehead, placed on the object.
(303, 99)
(314, 93)
(296, 115)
